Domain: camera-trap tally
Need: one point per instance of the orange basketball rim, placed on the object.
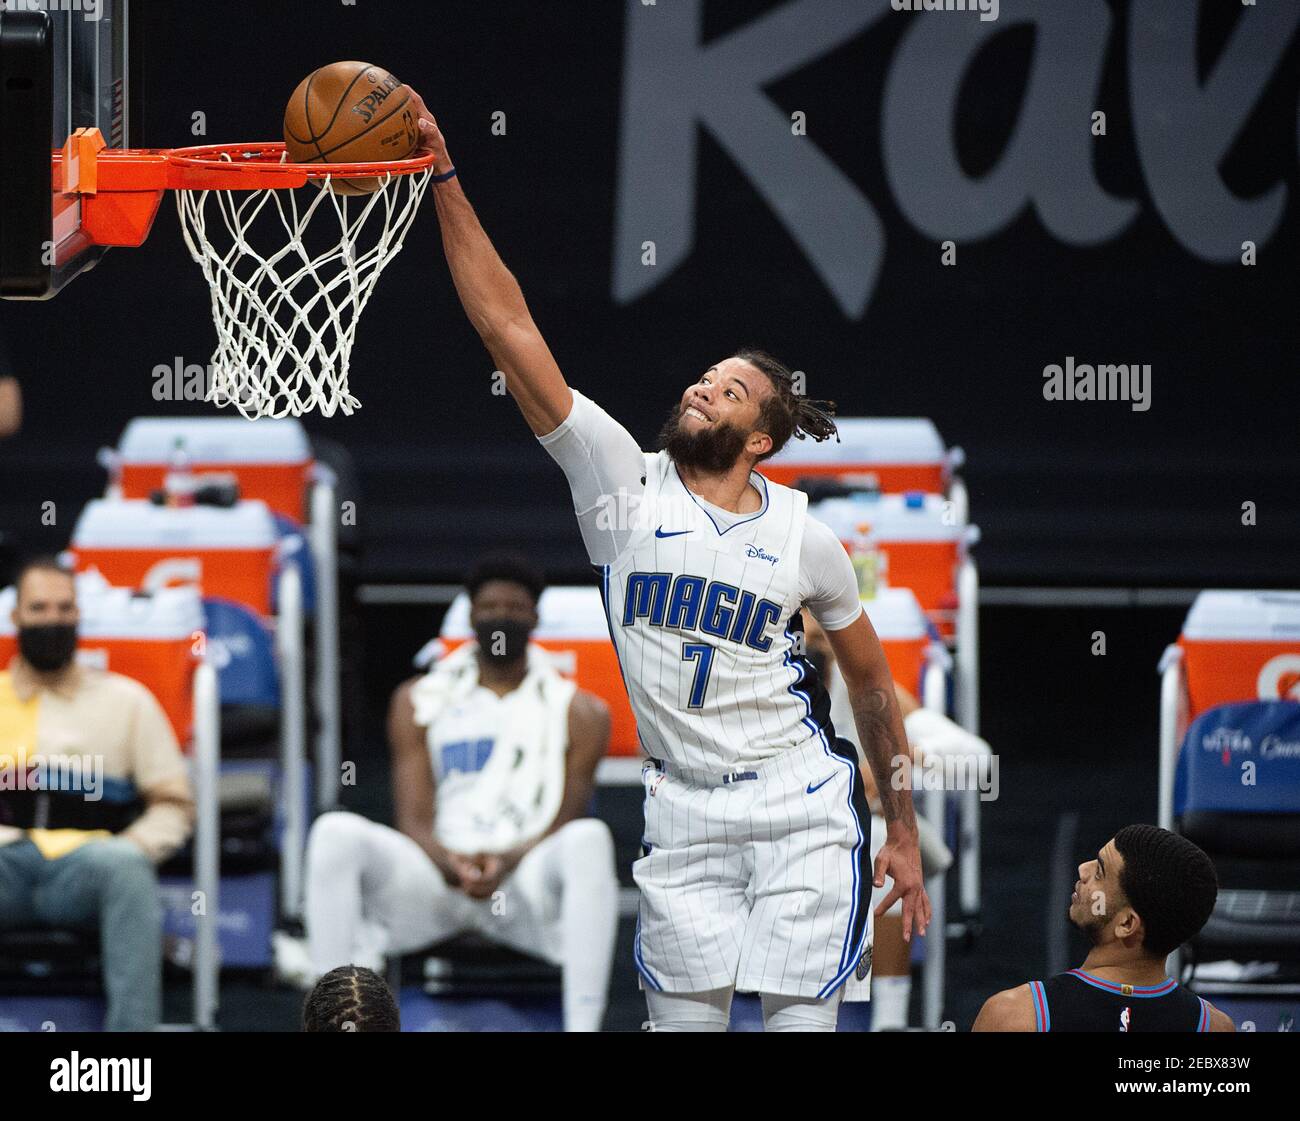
(285, 315)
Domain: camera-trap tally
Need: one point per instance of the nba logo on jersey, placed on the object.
(1124, 1018)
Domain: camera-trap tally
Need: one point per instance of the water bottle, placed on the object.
(864, 556)
(870, 562)
(180, 483)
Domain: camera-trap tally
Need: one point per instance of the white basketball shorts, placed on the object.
(758, 879)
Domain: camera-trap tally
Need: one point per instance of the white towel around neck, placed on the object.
(518, 792)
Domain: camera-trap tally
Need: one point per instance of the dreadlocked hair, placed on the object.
(785, 412)
(350, 998)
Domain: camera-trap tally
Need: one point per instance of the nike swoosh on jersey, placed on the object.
(675, 533)
(813, 789)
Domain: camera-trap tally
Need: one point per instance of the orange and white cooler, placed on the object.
(153, 639)
(924, 551)
(893, 454)
(271, 459)
(900, 624)
(1241, 646)
(228, 552)
(573, 629)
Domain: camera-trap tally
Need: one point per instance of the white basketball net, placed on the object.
(286, 321)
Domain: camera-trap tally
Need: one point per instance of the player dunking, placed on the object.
(755, 874)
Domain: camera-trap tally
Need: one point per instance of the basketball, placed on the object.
(350, 112)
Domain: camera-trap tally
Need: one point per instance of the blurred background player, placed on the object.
(494, 758)
(756, 872)
(82, 852)
(351, 998)
(1147, 892)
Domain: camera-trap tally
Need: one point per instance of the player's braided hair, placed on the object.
(1169, 882)
(350, 998)
(785, 412)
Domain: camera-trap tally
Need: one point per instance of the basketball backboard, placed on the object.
(64, 64)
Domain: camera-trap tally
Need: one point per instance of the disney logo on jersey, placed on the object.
(691, 603)
(755, 552)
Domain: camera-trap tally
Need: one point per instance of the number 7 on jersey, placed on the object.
(701, 653)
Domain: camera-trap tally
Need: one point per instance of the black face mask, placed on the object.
(48, 647)
(502, 639)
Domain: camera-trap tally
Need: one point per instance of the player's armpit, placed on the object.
(1009, 1010)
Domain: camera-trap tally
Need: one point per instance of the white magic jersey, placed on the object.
(700, 616)
(700, 599)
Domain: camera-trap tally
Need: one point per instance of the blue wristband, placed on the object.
(444, 176)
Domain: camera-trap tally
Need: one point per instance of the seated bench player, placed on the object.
(494, 758)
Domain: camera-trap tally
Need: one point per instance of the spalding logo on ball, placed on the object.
(350, 112)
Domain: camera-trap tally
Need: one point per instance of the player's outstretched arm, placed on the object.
(879, 724)
(492, 297)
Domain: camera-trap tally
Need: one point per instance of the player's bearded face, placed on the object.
(1090, 911)
(714, 448)
(1091, 926)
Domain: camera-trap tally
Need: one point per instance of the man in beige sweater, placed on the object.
(93, 796)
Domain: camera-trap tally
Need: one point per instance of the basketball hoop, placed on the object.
(285, 312)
